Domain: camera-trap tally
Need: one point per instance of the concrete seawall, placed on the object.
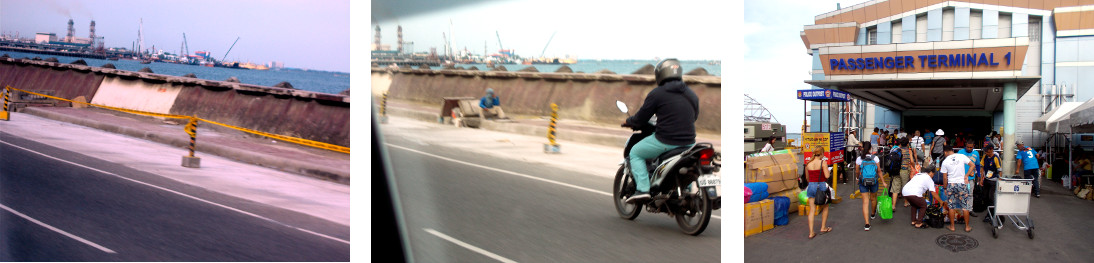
(309, 115)
(65, 82)
(589, 97)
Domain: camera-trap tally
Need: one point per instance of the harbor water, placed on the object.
(309, 80)
(617, 66)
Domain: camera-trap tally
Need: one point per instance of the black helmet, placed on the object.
(667, 69)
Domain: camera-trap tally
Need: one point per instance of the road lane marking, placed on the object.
(181, 194)
(468, 246)
(92, 244)
(513, 173)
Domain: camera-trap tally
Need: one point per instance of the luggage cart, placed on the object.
(1012, 201)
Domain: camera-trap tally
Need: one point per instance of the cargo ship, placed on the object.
(254, 66)
(553, 61)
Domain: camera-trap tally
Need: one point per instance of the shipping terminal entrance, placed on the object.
(973, 106)
(974, 126)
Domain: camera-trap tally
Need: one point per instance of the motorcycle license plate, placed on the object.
(709, 180)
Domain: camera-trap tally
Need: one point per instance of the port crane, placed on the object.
(229, 49)
(185, 46)
(548, 44)
(499, 40)
(445, 44)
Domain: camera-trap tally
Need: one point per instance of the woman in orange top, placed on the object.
(817, 173)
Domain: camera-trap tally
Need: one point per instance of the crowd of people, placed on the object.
(924, 169)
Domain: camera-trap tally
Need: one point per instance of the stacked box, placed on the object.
(759, 217)
(779, 177)
(760, 160)
(767, 210)
(803, 210)
(778, 169)
(753, 218)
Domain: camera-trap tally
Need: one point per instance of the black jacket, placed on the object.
(677, 108)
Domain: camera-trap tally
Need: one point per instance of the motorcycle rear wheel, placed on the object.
(700, 210)
(621, 190)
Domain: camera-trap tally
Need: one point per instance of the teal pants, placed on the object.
(646, 149)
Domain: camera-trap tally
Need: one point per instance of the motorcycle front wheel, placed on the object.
(621, 190)
(696, 215)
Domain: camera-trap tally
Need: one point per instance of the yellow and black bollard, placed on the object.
(552, 146)
(192, 161)
(6, 115)
(383, 109)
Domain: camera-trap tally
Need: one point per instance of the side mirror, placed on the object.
(622, 106)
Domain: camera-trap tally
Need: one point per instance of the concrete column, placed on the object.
(1010, 98)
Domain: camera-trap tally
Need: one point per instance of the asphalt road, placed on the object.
(1061, 234)
(462, 206)
(86, 209)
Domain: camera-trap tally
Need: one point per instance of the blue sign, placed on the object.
(837, 141)
(826, 95)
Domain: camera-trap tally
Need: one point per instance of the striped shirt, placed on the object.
(916, 143)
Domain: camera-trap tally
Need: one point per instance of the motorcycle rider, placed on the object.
(677, 109)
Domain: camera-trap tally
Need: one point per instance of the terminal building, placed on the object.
(971, 66)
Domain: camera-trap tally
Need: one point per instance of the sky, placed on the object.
(776, 61)
(314, 36)
(583, 29)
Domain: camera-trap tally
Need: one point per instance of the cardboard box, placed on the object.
(762, 160)
(767, 209)
(803, 210)
(781, 186)
(759, 216)
(753, 218)
(772, 173)
(778, 177)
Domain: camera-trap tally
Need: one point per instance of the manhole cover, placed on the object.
(957, 242)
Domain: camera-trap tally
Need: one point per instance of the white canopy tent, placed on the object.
(1050, 122)
(1082, 118)
(1061, 121)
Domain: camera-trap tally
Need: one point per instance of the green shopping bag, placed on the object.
(884, 204)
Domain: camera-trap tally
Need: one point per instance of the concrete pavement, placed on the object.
(536, 126)
(322, 199)
(1060, 235)
(583, 158)
(212, 139)
(499, 192)
(526, 212)
(63, 205)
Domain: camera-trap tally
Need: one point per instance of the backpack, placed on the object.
(895, 160)
(935, 216)
(869, 171)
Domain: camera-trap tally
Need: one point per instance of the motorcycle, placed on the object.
(682, 182)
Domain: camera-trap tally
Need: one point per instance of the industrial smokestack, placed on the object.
(92, 35)
(400, 30)
(71, 31)
(377, 39)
